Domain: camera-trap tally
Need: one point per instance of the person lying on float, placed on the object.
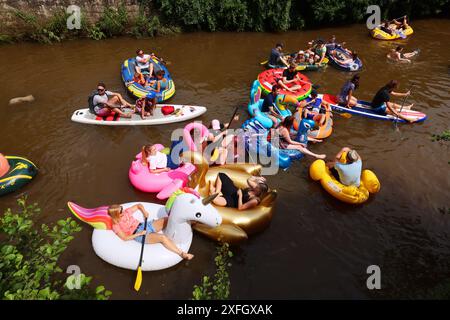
(127, 227)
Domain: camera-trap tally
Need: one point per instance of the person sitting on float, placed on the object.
(155, 161)
(332, 45)
(220, 140)
(105, 102)
(146, 105)
(127, 227)
(290, 76)
(311, 108)
(268, 107)
(144, 62)
(276, 56)
(159, 83)
(285, 141)
(319, 51)
(234, 197)
(345, 97)
(348, 173)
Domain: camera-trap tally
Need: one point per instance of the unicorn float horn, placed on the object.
(209, 199)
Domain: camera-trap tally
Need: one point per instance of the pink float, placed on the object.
(165, 183)
(187, 137)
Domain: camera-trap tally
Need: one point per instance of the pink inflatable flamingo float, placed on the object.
(187, 137)
(165, 183)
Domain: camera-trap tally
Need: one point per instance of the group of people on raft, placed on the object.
(314, 54)
(395, 26)
(148, 74)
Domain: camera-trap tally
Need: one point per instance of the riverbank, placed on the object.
(45, 21)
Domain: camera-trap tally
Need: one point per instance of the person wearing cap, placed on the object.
(349, 173)
(300, 57)
(276, 57)
(146, 105)
(311, 106)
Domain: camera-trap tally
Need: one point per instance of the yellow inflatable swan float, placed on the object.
(349, 194)
(236, 225)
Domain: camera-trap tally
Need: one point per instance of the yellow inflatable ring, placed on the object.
(381, 35)
(349, 194)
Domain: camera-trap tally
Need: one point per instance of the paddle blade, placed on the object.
(138, 282)
(300, 68)
(263, 63)
(346, 115)
(215, 155)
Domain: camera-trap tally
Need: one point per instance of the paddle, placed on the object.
(401, 108)
(138, 282)
(344, 114)
(215, 153)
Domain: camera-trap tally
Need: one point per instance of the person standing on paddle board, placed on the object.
(345, 97)
(381, 103)
(276, 56)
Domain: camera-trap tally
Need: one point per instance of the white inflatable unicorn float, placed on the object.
(183, 207)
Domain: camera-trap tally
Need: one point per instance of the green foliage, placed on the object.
(29, 255)
(47, 31)
(217, 288)
(113, 21)
(444, 136)
(6, 39)
(95, 33)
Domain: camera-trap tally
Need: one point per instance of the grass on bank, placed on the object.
(112, 23)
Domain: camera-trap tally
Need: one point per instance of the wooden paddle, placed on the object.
(138, 282)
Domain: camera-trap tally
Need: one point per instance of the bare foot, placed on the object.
(408, 107)
(187, 256)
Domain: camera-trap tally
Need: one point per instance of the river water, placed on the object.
(316, 246)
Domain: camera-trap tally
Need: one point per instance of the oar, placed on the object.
(401, 108)
(138, 282)
(232, 118)
(215, 153)
(342, 114)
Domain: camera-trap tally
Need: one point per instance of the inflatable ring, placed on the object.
(356, 65)
(15, 172)
(325, 130)
(268, 78)
(236, 225)
(185, 207)
(349, 194)
(379, 34)
(140, 91)
(165, 183)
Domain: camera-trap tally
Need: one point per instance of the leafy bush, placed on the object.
(217, 288)
(113, 22)
(95, 33)
(29, 255)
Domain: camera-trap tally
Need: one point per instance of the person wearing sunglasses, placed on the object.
(144, 62)
(105, 102)
(127, 227)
